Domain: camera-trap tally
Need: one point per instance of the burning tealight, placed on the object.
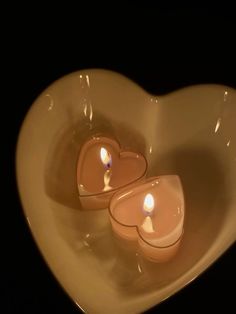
(103, 168)
(151, 213)
(107, 162)
(148, 206)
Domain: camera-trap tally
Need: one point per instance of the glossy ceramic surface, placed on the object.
(190, 132)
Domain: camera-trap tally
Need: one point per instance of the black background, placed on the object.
(162, 49)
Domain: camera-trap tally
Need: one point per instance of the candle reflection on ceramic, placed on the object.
(103, 168)
(152, 214)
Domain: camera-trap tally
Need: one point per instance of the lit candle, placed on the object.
(103, 168)
(152, 214)
(148, 206)
(107, 161)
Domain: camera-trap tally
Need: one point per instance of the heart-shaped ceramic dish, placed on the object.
(190, 132)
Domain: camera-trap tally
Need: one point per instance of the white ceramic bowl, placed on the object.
(190, 132)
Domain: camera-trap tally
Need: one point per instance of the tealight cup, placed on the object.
(152, 214)
(103, 168)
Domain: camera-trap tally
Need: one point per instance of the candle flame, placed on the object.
(148, 204)
(105, 157)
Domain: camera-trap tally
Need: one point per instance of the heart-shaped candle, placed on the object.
(152, 213)
(103, 168)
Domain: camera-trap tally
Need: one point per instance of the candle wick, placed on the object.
(107, 179)
(147, 225)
